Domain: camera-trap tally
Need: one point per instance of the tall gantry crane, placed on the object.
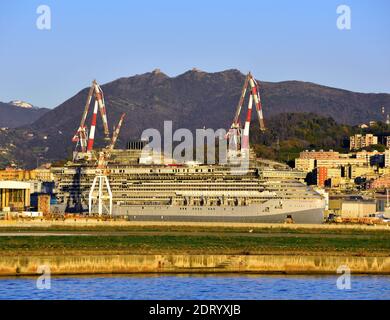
(239, 146)
(100, 191)
(84, 140)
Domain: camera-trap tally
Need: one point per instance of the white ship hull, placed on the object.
(270, 211)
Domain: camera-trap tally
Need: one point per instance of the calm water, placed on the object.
(197, 287)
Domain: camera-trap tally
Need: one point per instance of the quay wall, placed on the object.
(74, 223)
(124, 264)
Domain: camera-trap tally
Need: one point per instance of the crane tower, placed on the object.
(238, 139)
(84, 141)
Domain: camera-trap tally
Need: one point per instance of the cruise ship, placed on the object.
(192, 192)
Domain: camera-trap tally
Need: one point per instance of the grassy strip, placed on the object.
(130, 228)
(375, 245)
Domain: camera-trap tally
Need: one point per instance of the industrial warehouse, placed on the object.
(14, 195)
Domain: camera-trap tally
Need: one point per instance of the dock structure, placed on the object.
(14, 195)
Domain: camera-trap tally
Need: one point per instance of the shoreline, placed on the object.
(92, 247)
(192, 264)
(93, 222)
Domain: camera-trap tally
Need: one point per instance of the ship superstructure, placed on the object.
(192, 192)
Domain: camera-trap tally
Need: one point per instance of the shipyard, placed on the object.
(163, 178)
(194, 150)
(152, 202)
(145, 183)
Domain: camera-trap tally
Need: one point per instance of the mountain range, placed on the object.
(194, 99)
(18, 113)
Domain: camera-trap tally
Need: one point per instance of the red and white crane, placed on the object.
(235, 133)
(81, 137)
(100, 190)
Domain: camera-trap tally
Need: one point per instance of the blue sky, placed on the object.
(275, 39)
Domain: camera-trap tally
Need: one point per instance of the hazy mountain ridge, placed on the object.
(22, 104)
(13, 116)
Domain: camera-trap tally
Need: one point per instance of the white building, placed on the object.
(387, 158)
